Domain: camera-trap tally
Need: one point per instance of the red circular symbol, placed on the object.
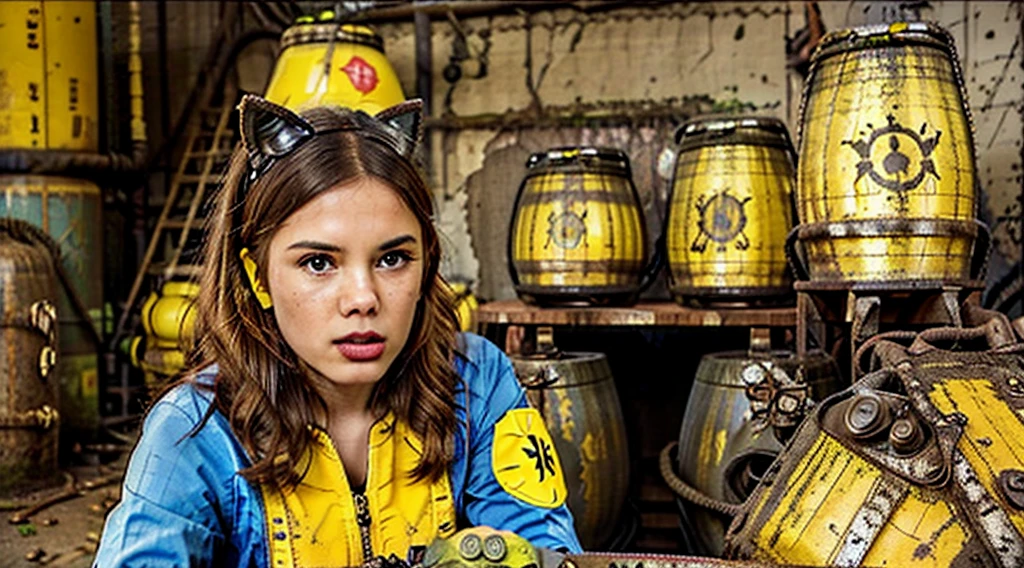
(362, 74)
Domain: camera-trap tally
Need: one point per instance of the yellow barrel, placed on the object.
(886, 182)
(730, 210)
(578, 235)
(49, 76)
(331, 63)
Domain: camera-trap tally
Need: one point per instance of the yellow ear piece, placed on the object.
(262, 296)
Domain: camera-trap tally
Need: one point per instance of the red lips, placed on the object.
(361, 346)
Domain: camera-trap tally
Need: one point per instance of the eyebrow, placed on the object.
(325, 247)
(397, 241)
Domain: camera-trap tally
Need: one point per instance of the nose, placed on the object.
(358, 294)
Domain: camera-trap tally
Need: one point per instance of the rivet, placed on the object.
(470, 547)
(866, 416)
(906, 436)
(495, 548)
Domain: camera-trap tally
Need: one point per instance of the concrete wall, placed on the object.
(728, 55)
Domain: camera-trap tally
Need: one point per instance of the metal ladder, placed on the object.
(209, 142)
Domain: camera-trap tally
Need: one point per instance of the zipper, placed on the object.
(363, 520)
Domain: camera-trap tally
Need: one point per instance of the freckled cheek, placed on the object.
(304, 307)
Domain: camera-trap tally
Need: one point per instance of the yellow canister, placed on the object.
(578, 232)
(49, 76)
(168, 316)
(332, 63)
(886, 182)
(730, 210)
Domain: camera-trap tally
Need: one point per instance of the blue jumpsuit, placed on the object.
(183, 502)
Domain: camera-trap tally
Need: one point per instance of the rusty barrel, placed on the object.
(730, 210)
(29, 421)
(886, 181)
(575, 392)
(70, 211)
(578, 233)
(740, 400)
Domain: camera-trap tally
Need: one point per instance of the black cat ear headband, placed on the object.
(271, 132)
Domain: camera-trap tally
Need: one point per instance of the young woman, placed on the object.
(335, 415)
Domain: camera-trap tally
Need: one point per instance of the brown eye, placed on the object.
(394, 259)
(317, 264)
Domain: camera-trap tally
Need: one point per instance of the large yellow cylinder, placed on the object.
(48, 76)
(886, 183)
(578, 234)
(337, 64)
(730, 211)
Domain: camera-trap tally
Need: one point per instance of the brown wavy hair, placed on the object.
(260, 386)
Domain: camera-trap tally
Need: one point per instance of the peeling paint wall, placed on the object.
(724, 56)
(728, 56)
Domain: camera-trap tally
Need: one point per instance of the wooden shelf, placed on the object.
(515, 312)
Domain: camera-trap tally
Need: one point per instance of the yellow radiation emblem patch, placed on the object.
(524, 460)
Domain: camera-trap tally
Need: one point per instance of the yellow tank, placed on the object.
(331, 63)
(730, 210)
(886, 183)
(578, 235)
(168, 317)
(49, 76)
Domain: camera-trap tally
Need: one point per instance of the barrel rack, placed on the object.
(824, 309)
(655, 509)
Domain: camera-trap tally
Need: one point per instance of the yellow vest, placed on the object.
(315, 524)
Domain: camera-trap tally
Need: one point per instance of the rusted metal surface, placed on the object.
(740, 407)
(28, 341)
(575, 392)
(917, 464)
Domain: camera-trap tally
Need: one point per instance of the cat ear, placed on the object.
(269, 130)
(406, 120)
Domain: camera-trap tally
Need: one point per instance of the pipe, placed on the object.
(424, 84)
(579, 114)
(469, 9)
(135, 91)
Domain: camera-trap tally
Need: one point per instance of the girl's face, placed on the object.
(344, 274)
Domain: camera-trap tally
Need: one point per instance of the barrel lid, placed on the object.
(603, 158)
(321, 32)
(881, 35)
(718, 129)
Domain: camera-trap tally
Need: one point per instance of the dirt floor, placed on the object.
(65, 533)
